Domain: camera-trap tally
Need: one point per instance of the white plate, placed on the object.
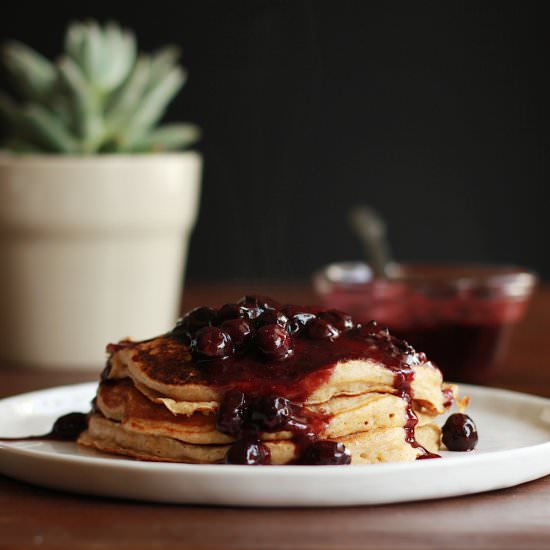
(514, 447)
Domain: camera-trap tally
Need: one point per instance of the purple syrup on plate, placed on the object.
(66, 428)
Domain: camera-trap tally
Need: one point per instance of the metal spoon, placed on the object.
(369, 226)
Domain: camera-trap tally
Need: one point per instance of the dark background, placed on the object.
(430, 111)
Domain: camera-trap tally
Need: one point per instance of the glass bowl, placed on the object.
(460, 315)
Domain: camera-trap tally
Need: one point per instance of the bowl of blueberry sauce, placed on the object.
(460, 315)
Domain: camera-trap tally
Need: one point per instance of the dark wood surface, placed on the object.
(517, 518)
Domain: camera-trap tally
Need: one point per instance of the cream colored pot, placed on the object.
(92, 249)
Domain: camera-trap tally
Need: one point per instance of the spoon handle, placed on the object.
(371, 229)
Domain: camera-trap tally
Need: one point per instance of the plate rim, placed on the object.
(64, 469)
(117, 462)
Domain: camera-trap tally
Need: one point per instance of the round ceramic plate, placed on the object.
(514, 447)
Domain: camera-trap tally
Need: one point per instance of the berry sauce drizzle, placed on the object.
(66, 428)
(402, 382)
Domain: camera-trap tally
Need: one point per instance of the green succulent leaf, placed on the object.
(61, 108)
(93, 59)
(74, 38)
(152, 106)
(51, 135)
(126, 100)
(169, 137)
(84, 103)
(163, 61)
(33, 75)
(119, 50)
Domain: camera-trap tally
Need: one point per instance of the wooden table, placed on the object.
(517, 518)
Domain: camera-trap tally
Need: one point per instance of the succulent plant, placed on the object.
(100, 96)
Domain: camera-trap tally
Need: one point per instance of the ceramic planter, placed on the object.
(92, 249)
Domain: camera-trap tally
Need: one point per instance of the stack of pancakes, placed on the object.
(154, 404)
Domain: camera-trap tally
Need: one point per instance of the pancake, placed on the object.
(379, 445)
(122, 402)
(163, 366)
(254, 383)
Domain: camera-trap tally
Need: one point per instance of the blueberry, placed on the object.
(272, 317)
(459, 433)
(373, 329)
(231, 311)
(273, 341)
(212, 343)
(196, 319)
(290, 309)
(326, 453)
(298, 321)
(320, 329)
(400, 346)
(264, 302)
(251, 452)
(272, 413)
(239, 330)
(342, 321)
(255, 305)
(232, 414)
(182, 335)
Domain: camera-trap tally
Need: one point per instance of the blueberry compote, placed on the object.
(66, 428)
(266, 359)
